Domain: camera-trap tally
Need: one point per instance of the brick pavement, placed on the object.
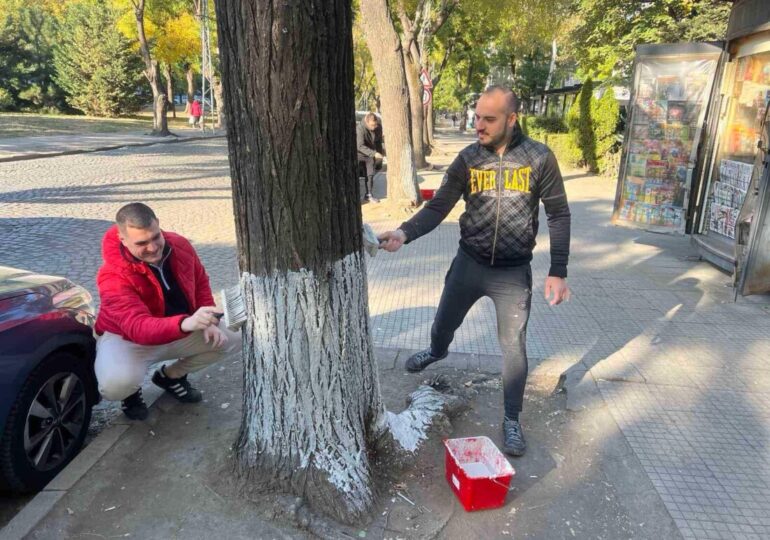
(683, 369)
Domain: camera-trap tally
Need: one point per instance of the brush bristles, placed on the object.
(234, 307)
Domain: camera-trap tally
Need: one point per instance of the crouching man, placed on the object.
(156, 305)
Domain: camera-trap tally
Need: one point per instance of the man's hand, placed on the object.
(215, 335)
(377, 155)
(201, 319)
(556, 287)
(392, 240)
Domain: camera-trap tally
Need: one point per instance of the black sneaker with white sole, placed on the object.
(180, 387)
(513, 438)
(134, 406)
(419, 361)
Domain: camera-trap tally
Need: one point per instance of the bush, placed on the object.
(6, 100)
(581, 125)
(564, 148)
(606, 115)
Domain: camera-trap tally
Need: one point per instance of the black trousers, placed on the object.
(511, 291)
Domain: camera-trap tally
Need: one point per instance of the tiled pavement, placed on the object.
(683, 369)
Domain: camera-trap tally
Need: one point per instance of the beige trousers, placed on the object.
(121, 365)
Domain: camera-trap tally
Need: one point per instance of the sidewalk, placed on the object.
(21, 148)
(663, 431)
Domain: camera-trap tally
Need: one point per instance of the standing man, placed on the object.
(156, 305)
(370, 150)
(503, 177)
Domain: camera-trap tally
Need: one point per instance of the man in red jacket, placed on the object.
(156, 305)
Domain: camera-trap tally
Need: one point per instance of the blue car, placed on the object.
(47, 381)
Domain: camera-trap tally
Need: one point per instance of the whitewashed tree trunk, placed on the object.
(311, 386)
(312, 412)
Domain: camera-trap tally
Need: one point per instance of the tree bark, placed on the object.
(190, 76)
(169, 88)
(219, 100)
(312, 412)
(159, 120)
(416, 109)
(388, 63)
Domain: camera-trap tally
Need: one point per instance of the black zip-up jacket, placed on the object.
(502, 195)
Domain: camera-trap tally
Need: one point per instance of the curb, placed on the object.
(41, 155)
(37, 509)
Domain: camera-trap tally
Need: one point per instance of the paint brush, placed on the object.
(233, 307)
(371, 242)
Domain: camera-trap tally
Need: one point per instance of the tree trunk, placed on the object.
(549, 79)
(312, 412)
(429, 124)
(169, 88)
(311, 395)
(388, 63)
(190, 75)
(416, 109)
(159, 120)
(219, 100)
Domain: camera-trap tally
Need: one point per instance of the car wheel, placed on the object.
(47, 424)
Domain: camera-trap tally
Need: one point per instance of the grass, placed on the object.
(30, 124)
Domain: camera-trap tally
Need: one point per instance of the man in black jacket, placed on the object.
(370, 149)
(502, 178)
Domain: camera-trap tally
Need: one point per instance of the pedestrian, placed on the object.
(502, 178)
(195, 113)
(156, 305)
(454, 119)
(371, 150)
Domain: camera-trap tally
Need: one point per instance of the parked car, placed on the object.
(47, 381)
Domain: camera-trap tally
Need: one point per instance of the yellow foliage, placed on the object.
(178, 39)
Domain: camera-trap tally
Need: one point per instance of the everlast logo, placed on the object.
(513, 179)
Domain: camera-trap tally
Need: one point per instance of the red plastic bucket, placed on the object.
(427, 194)
(477, 472)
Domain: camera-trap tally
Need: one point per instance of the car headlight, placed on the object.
(77, 299)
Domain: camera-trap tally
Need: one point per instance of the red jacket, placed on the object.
(132, 304)
(195, 108)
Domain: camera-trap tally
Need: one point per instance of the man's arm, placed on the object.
(554, 197)
(138, 325)
(452, 188)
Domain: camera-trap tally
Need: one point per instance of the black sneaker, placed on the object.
(180, 388)
(134, 406)
(419, 361)
(513, 438)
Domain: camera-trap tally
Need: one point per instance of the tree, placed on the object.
(151, 72)
(101, 76)
(178, 44)
(603, 39)
(28, 32)
(418, 27)
(388, 64)
(312, 413)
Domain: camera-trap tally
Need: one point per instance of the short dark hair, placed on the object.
(137, 215)
(513, 99)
